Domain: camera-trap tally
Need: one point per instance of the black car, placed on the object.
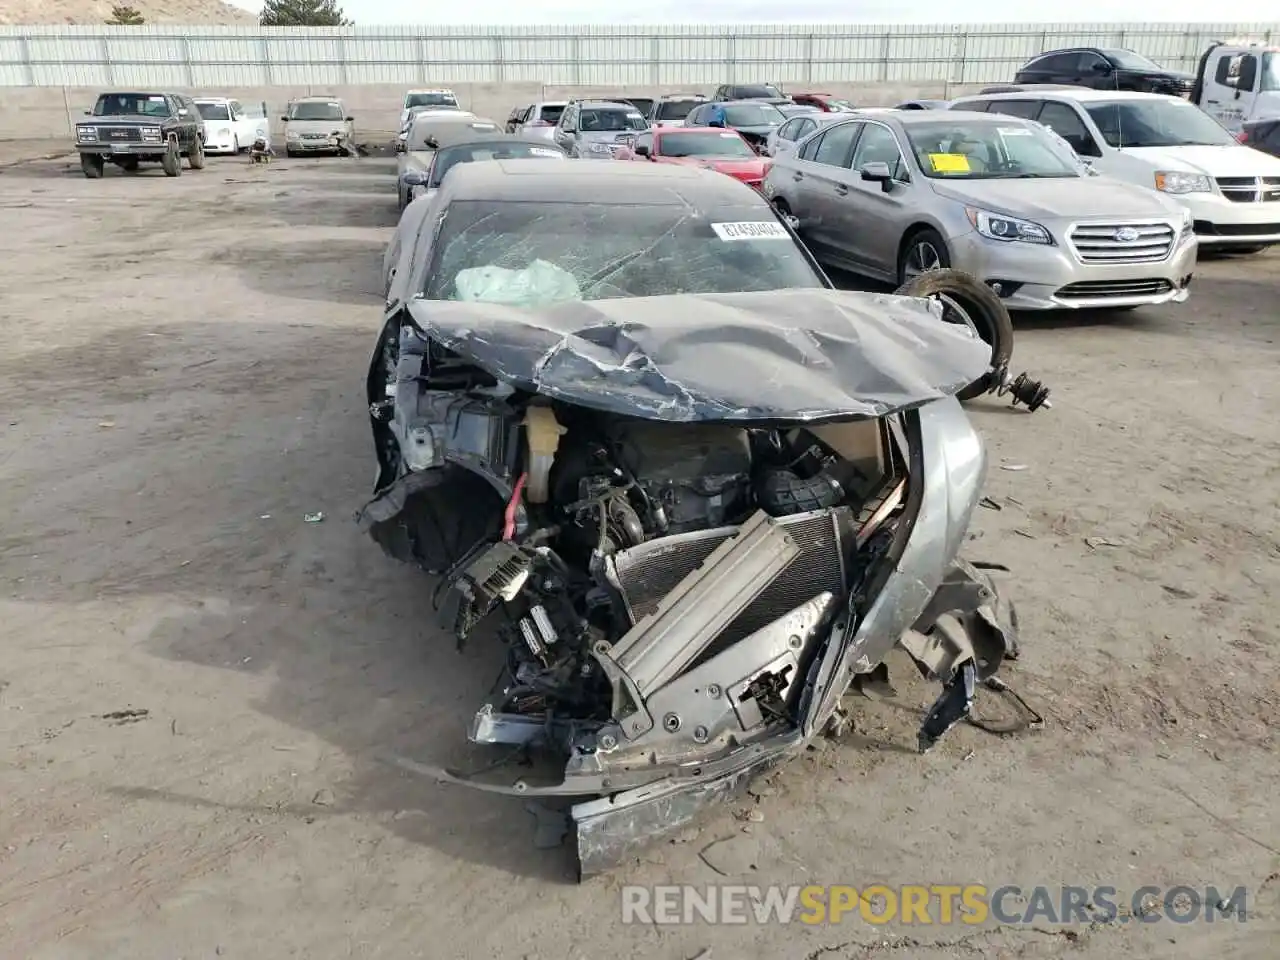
(128, 129)
(750, 91)
(1262, 135)
(1105, 68)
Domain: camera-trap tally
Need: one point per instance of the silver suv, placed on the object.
(592, 129)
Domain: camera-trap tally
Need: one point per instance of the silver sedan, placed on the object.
(894, 194)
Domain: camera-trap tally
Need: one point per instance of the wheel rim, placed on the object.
(959, 311)
(922, 256)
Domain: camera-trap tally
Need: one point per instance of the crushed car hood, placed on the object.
(775, 356)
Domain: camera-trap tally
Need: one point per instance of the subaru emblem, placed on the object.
(1126, 234)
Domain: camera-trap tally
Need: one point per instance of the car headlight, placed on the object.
(601, 148)
(150, 133)
(1172, 181)
(292, 135)
(995, 226)
(86, 133)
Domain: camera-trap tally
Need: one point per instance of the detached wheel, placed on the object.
(968, 301)
(92, 166)
(171, 161)
(195, 156)
(921, 252)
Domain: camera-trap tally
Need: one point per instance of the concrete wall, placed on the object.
(50, 112)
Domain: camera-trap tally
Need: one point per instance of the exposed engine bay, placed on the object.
(680, 602)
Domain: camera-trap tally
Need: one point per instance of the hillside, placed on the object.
(99, 11)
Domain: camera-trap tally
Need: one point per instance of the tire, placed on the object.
(195, 156)
(925, 246)
(92, 166)
(984, 308)
(171, 162)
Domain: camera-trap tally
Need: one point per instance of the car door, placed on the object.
(182, 113)
(1065, 120)
(566, 127)
(873, 218)
(824, 177)
(1233, 75)
(1095, 70)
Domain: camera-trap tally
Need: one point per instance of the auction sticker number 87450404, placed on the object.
(750, 231)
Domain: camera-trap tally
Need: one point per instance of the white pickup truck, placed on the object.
(1236, 83)
(229, 126)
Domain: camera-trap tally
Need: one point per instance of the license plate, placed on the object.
(119, 148)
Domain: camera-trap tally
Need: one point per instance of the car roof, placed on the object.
(596, 104)
(1083, 94)
(428, 90)
(318, 98)
(665, 131)
(481, 138)
(640, 183)
(460, 131)
(911, 118)
(753, 101)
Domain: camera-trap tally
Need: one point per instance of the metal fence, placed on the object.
(216, 56)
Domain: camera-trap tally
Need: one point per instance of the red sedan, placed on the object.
(712, 147)
(824, 102)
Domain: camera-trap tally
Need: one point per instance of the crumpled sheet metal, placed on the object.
(778, 355)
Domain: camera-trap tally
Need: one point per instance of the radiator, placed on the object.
(648, 572)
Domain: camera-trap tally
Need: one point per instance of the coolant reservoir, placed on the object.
(543, 433)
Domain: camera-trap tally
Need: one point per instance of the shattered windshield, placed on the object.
(213, 111)
(315, 111)
(753, 115)
(1157, 123)
(450, 157)
(531, 254)
(435, 98)
(990, 150)
(131, 105)
(704, 145)
(610, 121)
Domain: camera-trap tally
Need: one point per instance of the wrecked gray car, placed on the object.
(697, 490)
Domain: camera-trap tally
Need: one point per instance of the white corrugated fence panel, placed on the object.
(647, 55)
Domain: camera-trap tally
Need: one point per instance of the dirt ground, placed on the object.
(181, 365)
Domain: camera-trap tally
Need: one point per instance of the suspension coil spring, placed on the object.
(1022, 389)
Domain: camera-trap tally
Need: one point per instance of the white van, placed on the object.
(1164, 143)
(229, 126)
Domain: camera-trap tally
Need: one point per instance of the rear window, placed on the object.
(450, 157)
(533, 253)
(675, 109)
(604, 120)
(213, 111)
(766, 91)
(440, 98)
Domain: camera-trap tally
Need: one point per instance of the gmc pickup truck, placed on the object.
(129, 129)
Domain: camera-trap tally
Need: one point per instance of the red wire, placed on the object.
(509, 527)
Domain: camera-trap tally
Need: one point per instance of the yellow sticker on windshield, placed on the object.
(949, 162)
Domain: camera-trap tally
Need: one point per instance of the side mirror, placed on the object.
(877, 171)
(414, 178)
(284, 119)
(641, 150)
(1103, 68)
(715, 122)
(1248, 75)
(349, 119)
(88, 113)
